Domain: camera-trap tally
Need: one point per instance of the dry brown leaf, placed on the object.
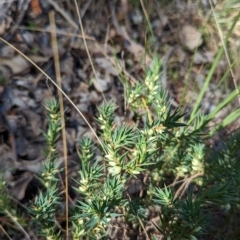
(18, 187)
(136, 49)
(33, 120)
(107, 65)
(203, 57)
(102, 84)
(7, 52)
(6, 158)
(66, 66)
(39, 59)
(18, 64)
(94, 97)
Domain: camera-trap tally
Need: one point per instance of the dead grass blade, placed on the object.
(59, 82)
(86, 47)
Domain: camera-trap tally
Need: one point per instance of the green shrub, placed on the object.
(187, 178)
(180, 180)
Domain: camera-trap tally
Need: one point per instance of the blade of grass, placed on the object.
(226, 121)
(224, 103)
(225, 49)
(211, 72)
(149, 29)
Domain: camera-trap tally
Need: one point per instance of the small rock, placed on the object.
(200, 80)
(107, 65)
(137, 17)
(89, 134)
(2, 27)
(28, 37)
(203, 57)
(190, 37)
(81, 74)
(101, 85)
(94, 97)
(7, 51)
(66, 66)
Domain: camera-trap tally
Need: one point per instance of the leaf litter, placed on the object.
(24, 91)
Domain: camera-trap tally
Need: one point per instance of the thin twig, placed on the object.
(59, 82)
(86, 47)
(85, 7)
(61, 11)
(5, 232)
(15, 27)
(17, 224)
(163, 76)
(60, 32)
(136, 49)
(186, 184)
(120, 68)
(146, 17)
(141, 223)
